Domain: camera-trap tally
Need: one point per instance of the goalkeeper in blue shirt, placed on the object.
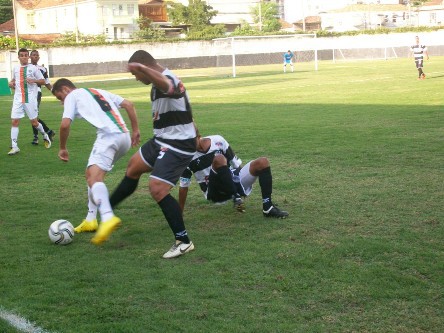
(288, 60)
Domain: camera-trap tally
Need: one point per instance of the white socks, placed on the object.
(100, 196)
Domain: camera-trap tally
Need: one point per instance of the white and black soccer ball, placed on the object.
(61, 232)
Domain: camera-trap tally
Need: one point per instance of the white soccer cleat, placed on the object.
(14, 150)
(178, 250)
(47, 141)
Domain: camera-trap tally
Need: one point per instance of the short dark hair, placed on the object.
(23, 50)
(142, 57)
(57, 86)
(33, 51)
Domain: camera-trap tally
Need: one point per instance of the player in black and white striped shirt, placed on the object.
(166, 155)
(418, 50)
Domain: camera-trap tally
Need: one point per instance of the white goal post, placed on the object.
(374, 53)
(233, 52)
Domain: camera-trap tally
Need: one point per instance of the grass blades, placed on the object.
(356, 151)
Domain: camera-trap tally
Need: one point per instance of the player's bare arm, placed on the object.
(37, 81)
(131, 111)
(64, 134)
(148, 75)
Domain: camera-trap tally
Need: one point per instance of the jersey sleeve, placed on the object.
(116, 99)
(185, 178)
(45, 76)
(177, 89)
(38, 74)
(69, 107)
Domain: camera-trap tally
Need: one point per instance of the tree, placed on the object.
(6, 12)
(196, 14)
(147, 30)
(266, 16)
(418, 3)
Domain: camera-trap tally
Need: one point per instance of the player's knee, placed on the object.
(158, 189)
(35, 122)
(259, 164)
(219, 161)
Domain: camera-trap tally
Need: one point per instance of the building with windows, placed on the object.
(114, 19)
(118, 19)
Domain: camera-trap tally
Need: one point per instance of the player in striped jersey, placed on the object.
(25, 78)
(418, 50)
(168, 153)
(221, 177)
(35, 57)
(101, 109)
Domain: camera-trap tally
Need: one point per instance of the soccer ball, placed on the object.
(61, 232)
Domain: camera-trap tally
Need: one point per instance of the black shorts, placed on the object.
(168, 165)
(419, 63)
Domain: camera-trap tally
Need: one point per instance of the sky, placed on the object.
(295, 9)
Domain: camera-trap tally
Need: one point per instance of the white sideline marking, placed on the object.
(20, 323)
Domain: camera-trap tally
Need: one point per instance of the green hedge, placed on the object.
(8, 43)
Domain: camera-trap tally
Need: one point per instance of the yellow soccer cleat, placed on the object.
(105, 230)
(87, 226)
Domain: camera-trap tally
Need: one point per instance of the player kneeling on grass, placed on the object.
(101, 109)
(221, 177)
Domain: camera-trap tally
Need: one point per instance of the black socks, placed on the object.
(126, 187)
(171, 210)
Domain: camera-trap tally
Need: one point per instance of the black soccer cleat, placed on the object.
(275, 212)
(239, 205)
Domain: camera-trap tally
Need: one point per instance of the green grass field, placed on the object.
(357, 158)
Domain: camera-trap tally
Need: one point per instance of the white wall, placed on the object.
(113, 53)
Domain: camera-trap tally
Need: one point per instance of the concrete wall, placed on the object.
(74, 61)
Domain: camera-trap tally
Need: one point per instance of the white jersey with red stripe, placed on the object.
(26, 92)
(99, 107)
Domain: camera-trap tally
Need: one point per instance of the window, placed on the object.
(130, 9)
(118, 10)
(432, 17)
(30, 20)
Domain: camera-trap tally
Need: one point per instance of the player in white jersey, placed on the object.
(25, 79)
(418, 50)
(35, 57)
(221, 177)
(101, 109)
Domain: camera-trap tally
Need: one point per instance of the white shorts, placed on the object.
(108, 148)
(246, 179)
(19, 109)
